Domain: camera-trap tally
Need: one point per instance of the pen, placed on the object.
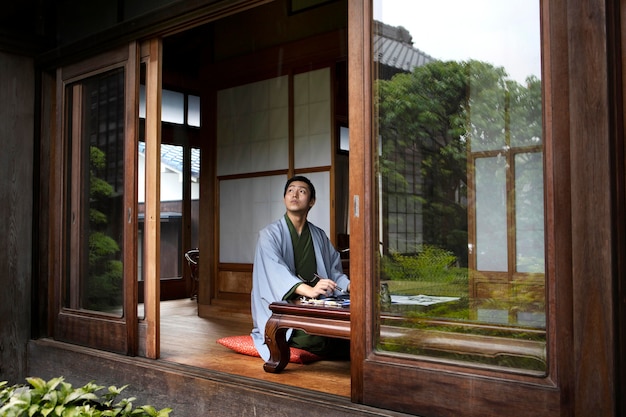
(337, 287)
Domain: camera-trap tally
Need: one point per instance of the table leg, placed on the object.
(276, 341)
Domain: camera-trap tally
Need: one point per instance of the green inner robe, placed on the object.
(306, 267)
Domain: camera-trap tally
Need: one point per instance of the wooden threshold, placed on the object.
(189, 339)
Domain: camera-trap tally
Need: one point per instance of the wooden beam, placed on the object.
(153, 198)
(131, 123)
(359, 77)
(76, 219)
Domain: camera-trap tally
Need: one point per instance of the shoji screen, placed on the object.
(253, 143)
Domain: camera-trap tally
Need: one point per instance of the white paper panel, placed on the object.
(312, 119)
(246, 206)
(320, 213)
(252, 127)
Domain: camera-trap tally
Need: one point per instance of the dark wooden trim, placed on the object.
(295, 10)
(44, 285)
(257, 174)
(106, 333)
(617, 63)
(129, 247)
(361, 223)
(558, 197)
(166, 20)
(295, 57)
(592, 235)
(234, 267)
(18, 209)
(209, 193)
(95, 64)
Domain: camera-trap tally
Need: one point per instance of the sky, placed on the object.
(502, 32)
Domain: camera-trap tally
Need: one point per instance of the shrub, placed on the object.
(57, 398)
(430, 263)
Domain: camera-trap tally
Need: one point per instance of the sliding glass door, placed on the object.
(96, 142)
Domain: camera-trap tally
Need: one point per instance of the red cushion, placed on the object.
(245, 345)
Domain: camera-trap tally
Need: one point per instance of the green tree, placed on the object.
(433, 117)
(103, 286)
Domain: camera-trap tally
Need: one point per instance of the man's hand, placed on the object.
(323, 287)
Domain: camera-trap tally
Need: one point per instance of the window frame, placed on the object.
(433, 387)
(70, 323)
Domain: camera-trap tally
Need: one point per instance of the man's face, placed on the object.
(298, 197)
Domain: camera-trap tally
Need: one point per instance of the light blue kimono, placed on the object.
(274, 269)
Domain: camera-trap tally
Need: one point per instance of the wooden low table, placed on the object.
(313, 319)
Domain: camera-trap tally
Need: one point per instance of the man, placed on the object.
(291, 254)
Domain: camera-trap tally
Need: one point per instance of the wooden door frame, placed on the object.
(151, 55)
(616, 34)
(116, 334)
(579, 240)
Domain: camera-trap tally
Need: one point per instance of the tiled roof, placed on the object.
(172, 157)
(393, 46)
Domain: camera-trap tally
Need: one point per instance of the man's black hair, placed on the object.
(304, 180)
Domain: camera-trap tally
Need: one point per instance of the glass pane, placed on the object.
(96, 109)
(141, 189)
(460, 172)
(172, 107)
(141, 202)
(195, 196)
(142, 96)
(344, 138)
(171, 211)
(529, 213)
(491, 230)
(194, 261)
(193, 111)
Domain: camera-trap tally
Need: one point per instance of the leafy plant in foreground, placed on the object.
(57, 398)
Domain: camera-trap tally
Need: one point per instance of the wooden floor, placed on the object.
(191, 340)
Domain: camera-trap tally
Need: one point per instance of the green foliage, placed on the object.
(435, 117)
(103, 288)
(431, 263)
(458, 310)
(504, 360)
(57, 398)
(423, 120)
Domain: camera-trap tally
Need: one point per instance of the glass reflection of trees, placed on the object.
(441, 127)
(100, 197)
(103, 288)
